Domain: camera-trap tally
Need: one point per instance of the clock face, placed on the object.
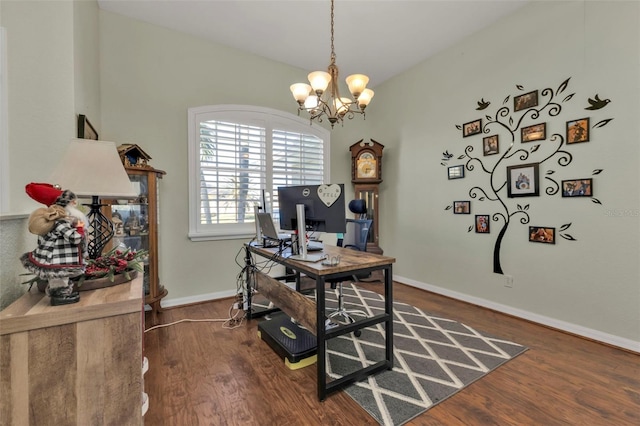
(367, 167)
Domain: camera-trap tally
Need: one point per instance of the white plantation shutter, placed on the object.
(298, 159)
(235, 153)
(232, 172)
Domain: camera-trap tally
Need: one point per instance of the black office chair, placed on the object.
(355, 238)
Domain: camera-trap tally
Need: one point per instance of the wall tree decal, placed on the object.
(507, 122)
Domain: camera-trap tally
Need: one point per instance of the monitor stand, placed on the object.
(301, 241)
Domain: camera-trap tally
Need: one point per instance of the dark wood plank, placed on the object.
(202, 373)
(294, 304)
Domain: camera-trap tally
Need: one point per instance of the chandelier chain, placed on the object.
(333, 53)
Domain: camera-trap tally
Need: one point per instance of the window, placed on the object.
(235, 153)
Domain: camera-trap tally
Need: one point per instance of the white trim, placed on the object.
(207, 297)
(578, 330)
(4, 126)
(13, 216)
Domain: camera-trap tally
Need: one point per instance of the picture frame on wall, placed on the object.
(577, 188)
(462, 207)
(482, 224)
(536, 132)
(523, 180)
(455, 172)
(86, 129)
(528, 100)
(578, 130)
(472, 128)
(542, 234)
(490, 145)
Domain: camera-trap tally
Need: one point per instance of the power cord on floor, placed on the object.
(236, 313)
(236, 319)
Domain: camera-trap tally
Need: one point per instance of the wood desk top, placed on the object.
(350, 260)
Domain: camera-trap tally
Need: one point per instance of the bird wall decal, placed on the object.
(597, 103)
(482, 104)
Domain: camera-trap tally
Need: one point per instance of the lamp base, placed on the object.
(100, 229)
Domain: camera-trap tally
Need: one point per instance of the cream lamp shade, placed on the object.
(93, 168)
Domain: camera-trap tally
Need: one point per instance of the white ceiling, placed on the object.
(380, 38)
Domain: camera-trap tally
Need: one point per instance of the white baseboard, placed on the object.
(578, 330)
(169, 303)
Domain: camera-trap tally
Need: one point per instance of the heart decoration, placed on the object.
(329, 194)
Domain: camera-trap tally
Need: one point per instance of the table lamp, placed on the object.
(92, 169)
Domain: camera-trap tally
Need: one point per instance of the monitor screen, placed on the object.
(324, 207)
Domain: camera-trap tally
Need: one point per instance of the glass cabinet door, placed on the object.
(369, 193)
(131, 221)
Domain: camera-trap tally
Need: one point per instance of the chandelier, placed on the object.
(322, 97)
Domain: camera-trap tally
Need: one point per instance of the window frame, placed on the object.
(245, 114)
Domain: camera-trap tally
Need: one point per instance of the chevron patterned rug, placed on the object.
(434, 358)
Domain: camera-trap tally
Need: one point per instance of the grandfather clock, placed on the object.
(366, 174)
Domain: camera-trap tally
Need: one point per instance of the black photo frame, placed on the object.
(85, 129)
(578, 130)
(490, 145)
(542, 234)
(523, 180)
(577, 188)
(462, 207)
(528, 100)
(482, 224)
(472, 128)
(455, 172)
(536, 132)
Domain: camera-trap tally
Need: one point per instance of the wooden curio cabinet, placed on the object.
(136, 225)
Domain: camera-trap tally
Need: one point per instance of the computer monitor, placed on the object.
(324, 207)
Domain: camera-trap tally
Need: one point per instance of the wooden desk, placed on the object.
(352, 262)
(78, 364)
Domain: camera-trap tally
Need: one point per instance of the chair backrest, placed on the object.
(357, 233)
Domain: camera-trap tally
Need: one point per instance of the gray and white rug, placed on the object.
(434, 358)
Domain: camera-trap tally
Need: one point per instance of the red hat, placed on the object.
(44, 193)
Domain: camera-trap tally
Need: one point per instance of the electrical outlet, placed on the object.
(509, 282)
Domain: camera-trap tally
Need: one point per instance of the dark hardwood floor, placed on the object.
(203, 374)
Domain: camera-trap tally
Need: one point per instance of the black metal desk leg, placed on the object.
(248, 262)
(388, 307)
(320, 340)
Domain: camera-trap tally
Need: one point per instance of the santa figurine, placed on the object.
(61, 250)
